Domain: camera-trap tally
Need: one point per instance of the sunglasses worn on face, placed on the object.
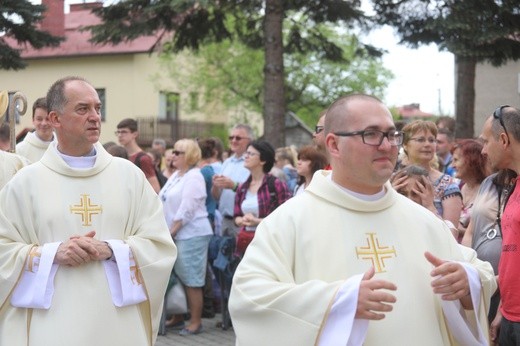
(237, 138)
(497, 114)
(177, 153)
(318, 129)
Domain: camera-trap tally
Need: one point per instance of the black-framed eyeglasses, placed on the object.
(318, 129)
(177, 152)
(375, 137)
(497, 114)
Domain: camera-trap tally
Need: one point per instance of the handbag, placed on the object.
(176, 303)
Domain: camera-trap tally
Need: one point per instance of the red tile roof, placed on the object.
(77, 43)
(413, 111)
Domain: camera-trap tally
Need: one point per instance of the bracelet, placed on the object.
(235, 187)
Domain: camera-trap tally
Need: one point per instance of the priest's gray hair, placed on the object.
(56, 99)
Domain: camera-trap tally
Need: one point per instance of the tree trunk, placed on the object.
(465, 96)
(274, 81)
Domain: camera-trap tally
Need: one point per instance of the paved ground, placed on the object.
(213, 335)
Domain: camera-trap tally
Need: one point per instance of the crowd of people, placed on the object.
(327, 235)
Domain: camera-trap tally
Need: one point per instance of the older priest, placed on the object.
(85, 251)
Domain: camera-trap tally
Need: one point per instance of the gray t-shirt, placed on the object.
(483, 216)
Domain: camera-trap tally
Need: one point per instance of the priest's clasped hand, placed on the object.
(373, 302)
(450, 280)
(79, 250)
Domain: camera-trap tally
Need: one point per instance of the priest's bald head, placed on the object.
(75, 114)
(362, 142)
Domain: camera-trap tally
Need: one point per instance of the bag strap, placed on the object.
(137, 161)
(272, 191)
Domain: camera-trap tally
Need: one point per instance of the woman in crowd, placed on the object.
(284, 161)
(412, 182)
(419, 146)
(208, 148)
(168, 163)
(184, 198)
(310, 160)
(470, 168)
(259, 195)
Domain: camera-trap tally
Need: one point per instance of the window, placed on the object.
(169, 105)
(194, 101)
(102, 98)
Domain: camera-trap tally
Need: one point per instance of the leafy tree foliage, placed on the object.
(474, 31)
(231, 72)
(18, 21)
(254, 23)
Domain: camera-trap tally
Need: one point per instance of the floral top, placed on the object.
(444, 187)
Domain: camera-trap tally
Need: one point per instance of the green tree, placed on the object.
(256, 23)
(474, 31)
(18, 22)
(231, 73)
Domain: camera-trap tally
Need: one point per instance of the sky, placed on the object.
(424, 75)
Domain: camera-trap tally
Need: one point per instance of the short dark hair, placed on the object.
(208, 147)
(56, 95)
(128, 123)
(39, 103)
(445, 131)
(266, 151)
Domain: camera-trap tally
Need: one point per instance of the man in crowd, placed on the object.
(233, 173)
(350, 260)
(127, 134)
(86, 253)
(445, 143)
(318, 136)
(36, 143)
(501, 139)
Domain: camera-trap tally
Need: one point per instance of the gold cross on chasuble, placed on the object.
(86, 210)
(375, 252)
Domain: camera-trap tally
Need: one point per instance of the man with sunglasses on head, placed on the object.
(233, 173)
(501, 144)
(351, 261)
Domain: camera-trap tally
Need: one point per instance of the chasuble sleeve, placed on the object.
(265, 295)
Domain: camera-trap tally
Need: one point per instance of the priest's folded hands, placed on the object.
(80, 250)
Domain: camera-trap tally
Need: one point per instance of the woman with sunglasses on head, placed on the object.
(419, 146)
(184, 198)
(259, 195)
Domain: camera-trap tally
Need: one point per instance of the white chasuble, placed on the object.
(49, 202)
(305, 252)
(10, 164)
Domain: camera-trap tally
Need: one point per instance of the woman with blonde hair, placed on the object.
(184, 198)
(420, 145)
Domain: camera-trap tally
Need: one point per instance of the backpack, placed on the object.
(160, 177)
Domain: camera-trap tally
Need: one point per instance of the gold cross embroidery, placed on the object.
(86, 210)
(136, 278)
(31, 260)
(375, 252)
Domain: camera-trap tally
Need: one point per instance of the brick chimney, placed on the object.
(54, 17)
